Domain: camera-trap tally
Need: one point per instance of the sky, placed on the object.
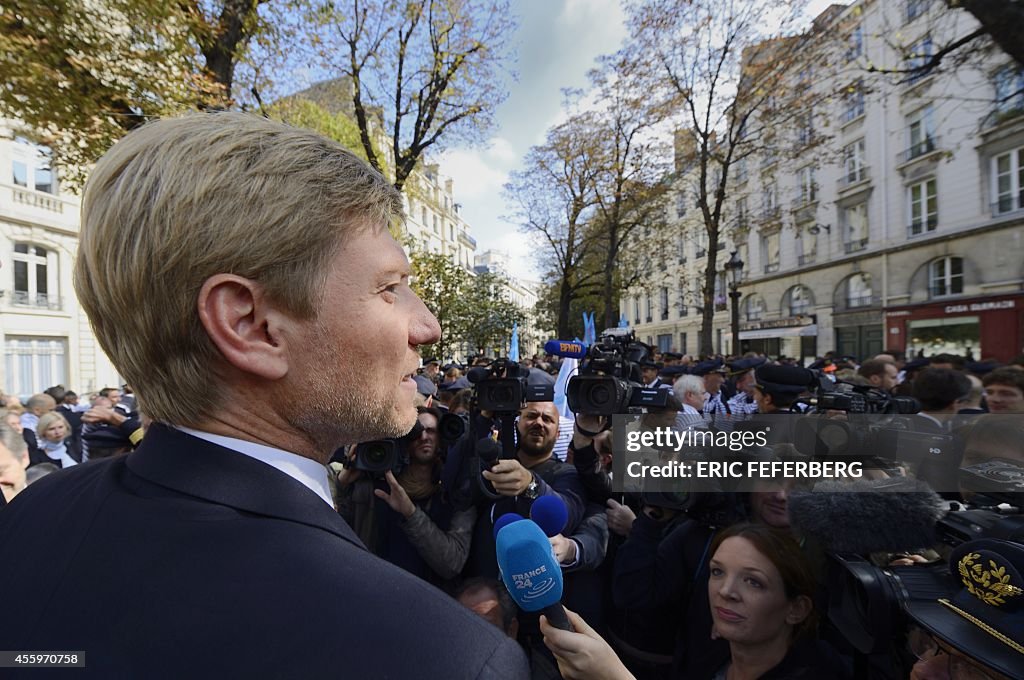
(558, 42)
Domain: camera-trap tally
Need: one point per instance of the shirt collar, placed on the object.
(307, 472)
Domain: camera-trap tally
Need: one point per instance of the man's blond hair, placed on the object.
(180, 200)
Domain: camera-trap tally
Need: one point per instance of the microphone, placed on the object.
(488, 451)
(530, 572)
(866, 516)
(564, 348)
(505, 520)
(550, 514)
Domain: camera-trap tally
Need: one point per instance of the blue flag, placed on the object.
(513, 350)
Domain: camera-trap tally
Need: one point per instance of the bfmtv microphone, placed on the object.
(550, 514)
(883, 515)
(530, 571)
(564, 348)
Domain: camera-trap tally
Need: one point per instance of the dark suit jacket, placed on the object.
(184, 559)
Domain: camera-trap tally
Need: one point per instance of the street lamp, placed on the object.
(734, 267)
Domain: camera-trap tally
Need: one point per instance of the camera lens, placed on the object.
(502, 395)
(376, 454)
(600, 395)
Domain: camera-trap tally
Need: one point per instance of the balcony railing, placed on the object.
(918, 227)
(1008, 204)
(855, 176)
(806, 259)
(38, 199)
(770, 213)
(855, 246)
(771, 267)
(853, 112)
(467, 239)
(861, 301)
(20, 298)
(925, 146)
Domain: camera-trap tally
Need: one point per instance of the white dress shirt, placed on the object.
(307, 472)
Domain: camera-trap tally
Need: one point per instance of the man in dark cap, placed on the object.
(432, 369)
(742, 371)
(713, 372)
(777, 387)
(649, 374)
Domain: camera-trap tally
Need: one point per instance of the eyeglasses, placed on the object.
(958, 667)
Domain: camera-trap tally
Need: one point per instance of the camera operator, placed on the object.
(940, 390)
(410, 523)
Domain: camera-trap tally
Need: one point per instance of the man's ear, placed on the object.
(244, 325)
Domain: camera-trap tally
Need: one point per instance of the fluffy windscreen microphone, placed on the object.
(892, 515)
(550, 514)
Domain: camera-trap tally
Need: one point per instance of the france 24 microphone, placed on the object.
(564, 348)
(530, 571)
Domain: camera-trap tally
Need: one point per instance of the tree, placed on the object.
(79, 74)
(441, 285)
(428, 70)
(488, 314)
(739, 94)
(631, 178)
(303, 113)
(555, 201)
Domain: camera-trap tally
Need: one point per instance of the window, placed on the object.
(918, 58)
(1009, 83)
(1008, 182)
(741, 213)
(665, 342)
(649, 317)
(853, 102)
(855, 43)
(741, 170)
(31, 167)
(924, 208)
(855, 227)
(920, 133)
(854, 169)
(684, 310)
(858, 291)
(451, 232)
(805, 133)
(664, 304)
(437, 229)
(636, 310)
(770, 252)
(32, 276)
(806, 247)
(754, 308)
(769, 199)
(916, 8)
(682, 343)
(698, 292)
(807, 187)
(681, 248)
(799, 300)
(424, 220)
(721, 298)
(946, 277)
(34, 364)
(681, 204)
(702, 241)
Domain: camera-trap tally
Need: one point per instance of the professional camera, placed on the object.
(875, 425)
(711, 508)
(609, 378)
(379, 456)
(502, 388)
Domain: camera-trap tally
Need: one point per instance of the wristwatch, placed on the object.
(532, 490)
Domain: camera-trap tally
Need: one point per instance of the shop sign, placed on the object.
(777, 323)
(980, 306)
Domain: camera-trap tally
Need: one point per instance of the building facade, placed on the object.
(903, 228)
(46, 335)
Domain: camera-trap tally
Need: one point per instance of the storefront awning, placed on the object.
(791, 332)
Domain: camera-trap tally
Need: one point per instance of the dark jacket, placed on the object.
(185, 559)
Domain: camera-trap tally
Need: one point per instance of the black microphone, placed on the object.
(866, 516)
(488, 451)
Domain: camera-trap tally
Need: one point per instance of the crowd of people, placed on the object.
(225, 523)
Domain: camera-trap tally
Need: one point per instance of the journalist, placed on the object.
(242, 278)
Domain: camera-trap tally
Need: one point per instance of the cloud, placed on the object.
(479, 174)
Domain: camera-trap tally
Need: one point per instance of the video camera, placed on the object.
(379, 456)
(609, 377)
(502, 388)
(875, 422)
